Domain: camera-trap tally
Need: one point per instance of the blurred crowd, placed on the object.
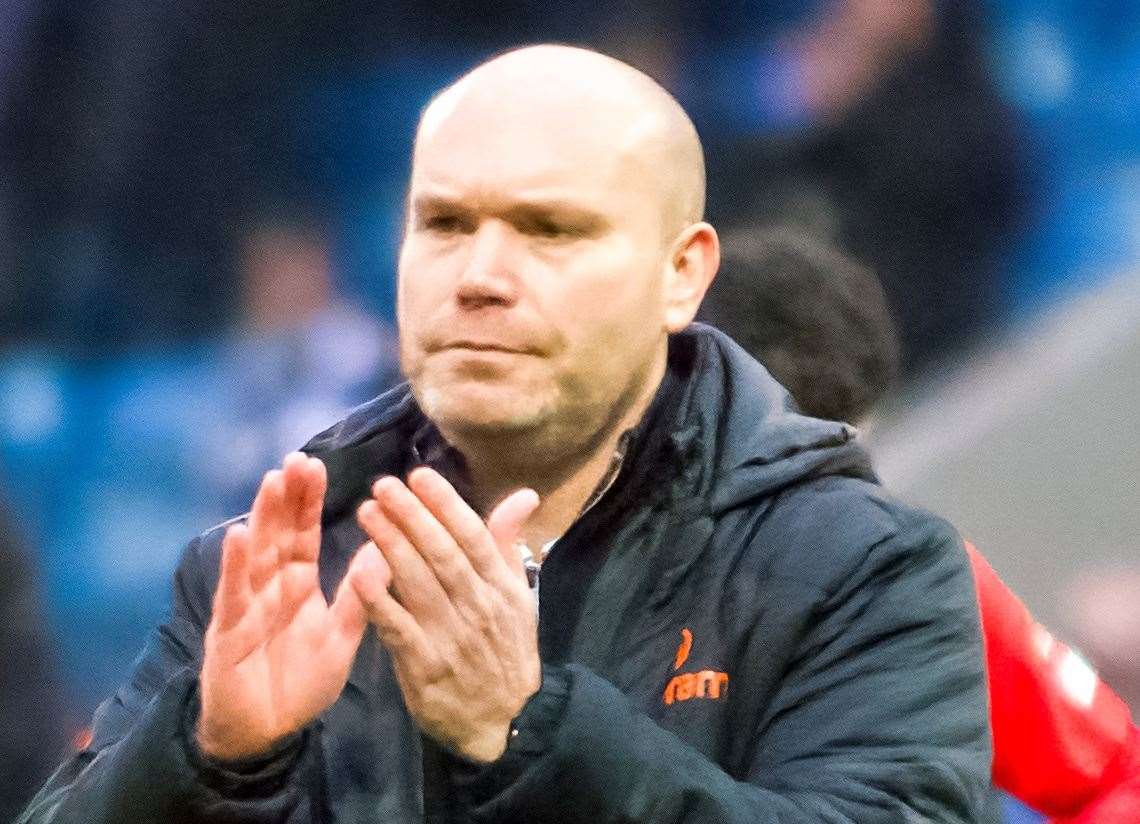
(202, 202)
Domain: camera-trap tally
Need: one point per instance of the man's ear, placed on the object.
(692, 264)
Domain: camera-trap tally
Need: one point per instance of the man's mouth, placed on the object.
(486, 346)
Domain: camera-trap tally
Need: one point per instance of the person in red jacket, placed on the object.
(1064, 743)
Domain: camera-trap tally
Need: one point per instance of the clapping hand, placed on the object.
(459, 620)
(277, 654)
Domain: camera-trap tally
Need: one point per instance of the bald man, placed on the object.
(733, 623)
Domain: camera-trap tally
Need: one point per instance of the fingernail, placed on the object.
(423, 473)
(379, 485)
(366, 510)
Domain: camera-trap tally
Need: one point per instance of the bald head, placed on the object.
(597, 101)
(553, 242)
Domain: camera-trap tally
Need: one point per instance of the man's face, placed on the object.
(530, 278)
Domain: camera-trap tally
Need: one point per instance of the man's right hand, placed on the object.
(277, 654)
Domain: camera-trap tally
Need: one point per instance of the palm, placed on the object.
(277, 654)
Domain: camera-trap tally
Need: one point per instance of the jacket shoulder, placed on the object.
(197, 573)
(363, 422)
(350, 449)
(823, 531)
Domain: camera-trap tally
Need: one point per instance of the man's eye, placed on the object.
(550, 229)
(443, 223)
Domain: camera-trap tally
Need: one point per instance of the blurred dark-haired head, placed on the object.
(815, 317)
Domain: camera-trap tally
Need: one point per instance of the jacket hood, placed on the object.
(742, 434)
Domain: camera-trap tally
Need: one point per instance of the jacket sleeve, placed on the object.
(1118, 799)
(141, 764)
(1060, 733)
(882, 718)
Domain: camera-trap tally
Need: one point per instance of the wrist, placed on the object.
(215, 747)
(218, 747)
(261, 775)
(488, 746)
(527, 737)
(491, 741)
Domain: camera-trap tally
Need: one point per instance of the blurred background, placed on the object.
(200, 207)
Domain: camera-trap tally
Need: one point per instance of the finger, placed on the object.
(265, 528)
(427, 536)
(295, 480)
(397, 628)
(299, 544)
(348, 613)
(295, 469)
(265, 504)
(231, 600)
(462, 523)
(369, 574)
(312, 504)
(416, 585)
(403, 637)
(303, 506)
(506, 525)
(298, 583)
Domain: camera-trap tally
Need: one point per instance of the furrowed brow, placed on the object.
(581, 219)
(522, 214)
(435, 204)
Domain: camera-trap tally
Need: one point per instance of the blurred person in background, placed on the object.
(879, 122)
(121, 458)
(1064, 741)
(304, 354)
(812, 315)
(34, 726)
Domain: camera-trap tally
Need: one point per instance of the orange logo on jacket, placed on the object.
(687, 685)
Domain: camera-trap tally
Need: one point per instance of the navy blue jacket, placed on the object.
(745, 629)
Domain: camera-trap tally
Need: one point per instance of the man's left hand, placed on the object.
(459, 621)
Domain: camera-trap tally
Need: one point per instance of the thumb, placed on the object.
(506, 524)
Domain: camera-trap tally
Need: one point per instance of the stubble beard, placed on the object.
(529, 431)
(482, 413)
(496, 412)
(533, 437)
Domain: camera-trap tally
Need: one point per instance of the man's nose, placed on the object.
(488, 278)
